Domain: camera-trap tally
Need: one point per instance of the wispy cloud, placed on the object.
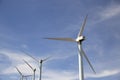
(16, 60)
(104, 73)
(48, 73)
(110, 11)
(102, 13)
(60, 75)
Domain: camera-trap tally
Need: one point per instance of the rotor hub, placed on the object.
(81, 38)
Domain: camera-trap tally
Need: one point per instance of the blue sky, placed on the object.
(24, 24)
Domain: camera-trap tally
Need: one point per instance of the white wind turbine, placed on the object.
(22, 76)
(80, 38)
(33, 69)
(40, 63)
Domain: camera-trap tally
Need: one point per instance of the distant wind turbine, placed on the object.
(33, 69)
(80, 38)
(39, 61)
(22, 76)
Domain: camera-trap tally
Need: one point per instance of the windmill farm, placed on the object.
(33, 69)
(81, 55)
(40, 64)
(60, 40)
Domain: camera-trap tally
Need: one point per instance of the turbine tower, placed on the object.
(40, 63)
(22, 76)
(33, 69)
(80, 38)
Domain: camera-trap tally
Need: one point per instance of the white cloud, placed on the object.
(59, 75)
(110, 11)
(15, 58)
(104, 73)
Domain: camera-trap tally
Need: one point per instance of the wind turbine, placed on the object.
(40, 63)
(80, 38)
(33, 69)
(22, 76)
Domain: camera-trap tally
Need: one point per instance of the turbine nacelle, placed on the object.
(80, 38)
(34, 70)
(41, 61)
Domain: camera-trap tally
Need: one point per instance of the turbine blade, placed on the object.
(46, 58)
(62, 39)
(28, 64)
(18, 71)
(27, 75)
(83, 53)
(82, 27)
(29, 55)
